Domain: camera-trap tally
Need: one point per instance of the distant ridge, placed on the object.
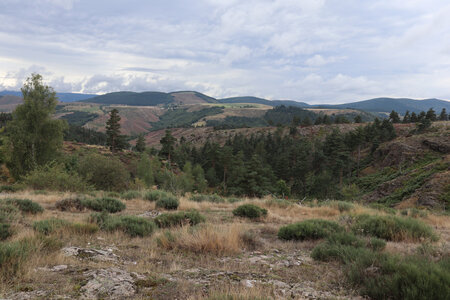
(400, 105)
(376, 105)
(63, 97)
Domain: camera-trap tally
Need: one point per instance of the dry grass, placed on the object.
(213, 239)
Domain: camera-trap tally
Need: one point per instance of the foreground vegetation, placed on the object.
(382, 255)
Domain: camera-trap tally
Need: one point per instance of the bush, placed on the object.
(376, 244)
(392, 228)
(329, 251)
(12, 256)
(5, 231)
(111, 205)
(309, 230)
(209, 198)
(250, 211)
(56, 178)
(384, 276)
(71, 204)
(383, 208)
(342, 206)
(49, 226)
(104, 173)
(234, 200)
(168, 202)
(26, 205)
(155, 195)
(282, 203)
(192, 217)
(128, 195)
(131, 225)
(8, 212)
(9, 188)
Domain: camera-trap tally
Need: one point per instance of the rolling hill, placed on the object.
(400, 105)
(63, 97)
(256, 100)
(9, 102)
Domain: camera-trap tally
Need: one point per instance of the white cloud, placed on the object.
(311, 50)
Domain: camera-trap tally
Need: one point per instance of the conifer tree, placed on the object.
(114, 139)
(140, 143)
(443, 115)
(431, 115)
(393, 117)
(168, 145)
(414, 117)
(406, 117)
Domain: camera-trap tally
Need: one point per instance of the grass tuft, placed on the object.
(309, 230)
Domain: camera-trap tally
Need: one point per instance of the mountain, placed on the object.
(251, 99)
(9, 102)
(63, 97)
(400, 105)
(152, 98)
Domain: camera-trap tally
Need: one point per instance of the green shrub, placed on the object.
(168, 202)
(384, 276)
(113, 194)
(26, 205)
(111, 205)
(71, 204)
(128, 195)
(383, 208)
(155, 195)
(49, 226)
(192, 217)
(12, 256)
(282, 203)
(250, 211)
(5, 231)
(342, 206)
(392, 228)
(209, 198)
(131, 225)
(344, 247)
(376, 244)
(56, 178)
(9, 188)
(234, 200)
(309, 230)
(329, 251)
(104, 173)
(8, 212)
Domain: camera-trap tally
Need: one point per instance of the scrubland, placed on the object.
(155, 245)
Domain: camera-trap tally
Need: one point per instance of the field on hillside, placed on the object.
(67, 251)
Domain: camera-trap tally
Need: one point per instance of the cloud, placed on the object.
(311, 50)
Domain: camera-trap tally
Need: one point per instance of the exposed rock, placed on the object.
(439, 145)
(94, 254)
(150, 214)
(395, 153)
(111, 283)
(54, 268)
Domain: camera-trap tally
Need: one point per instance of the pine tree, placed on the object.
(393, 117)
(414, 117)
(168, 145)
(34, 137)
(114, 140)
(140, 143)
(358, 119)
(406, 117)
(431, 115)
(443, 115)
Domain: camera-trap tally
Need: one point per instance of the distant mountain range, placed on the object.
(379, 105)
(63, 97)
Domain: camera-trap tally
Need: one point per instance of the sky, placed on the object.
(317, 51)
